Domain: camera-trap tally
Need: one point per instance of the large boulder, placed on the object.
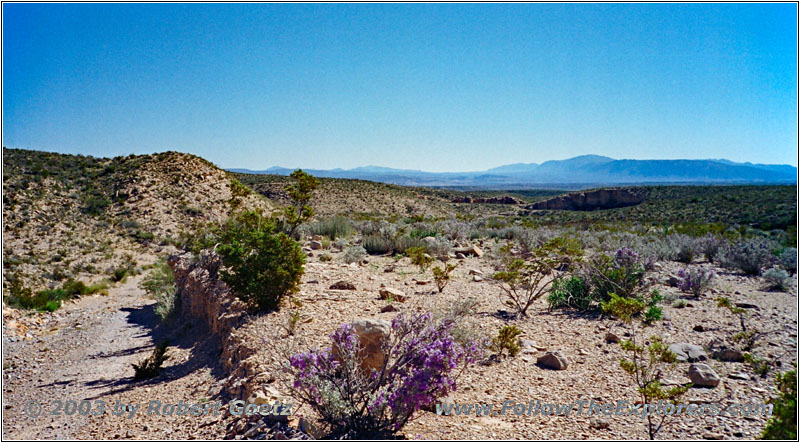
(688, 352)
(372, 333)
(703, 376)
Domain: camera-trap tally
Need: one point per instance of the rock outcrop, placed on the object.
(208, 299)
(591, 200)
(504, 200)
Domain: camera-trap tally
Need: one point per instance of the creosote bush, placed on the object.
(442, 275)
(151, 366)
(422, 364)
(419, 257)
(261, 265)
(647, 364)
(783, 423)
(507, 340)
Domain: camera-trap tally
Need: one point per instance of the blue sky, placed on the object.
(418, 86)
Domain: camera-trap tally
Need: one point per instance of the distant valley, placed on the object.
(579, 172)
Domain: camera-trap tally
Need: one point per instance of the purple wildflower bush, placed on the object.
(422, 364)
(695, 281)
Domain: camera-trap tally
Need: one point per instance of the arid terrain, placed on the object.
(110, 224)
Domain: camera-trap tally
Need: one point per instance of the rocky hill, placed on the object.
(68, 216)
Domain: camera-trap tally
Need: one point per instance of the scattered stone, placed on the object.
(688, 352)
(477, 278)
(698, 328)
(599, 423)
(460, 256)
(703, 376)
(612, 337)
(553, 360)
(739, 376)
(316, 244)
(748, 306)
(388, 308)
(475, 272)
(394, 294)
(343, 286)
(471, 250)
(724, 352)
(527, 346)
(713, 436)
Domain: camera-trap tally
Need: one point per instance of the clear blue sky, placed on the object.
(419, 86)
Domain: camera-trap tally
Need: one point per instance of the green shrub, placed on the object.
(262, 265)
(151, 366)
(333, 228)
(507, 340)
(622, 275)
(442, 275)
(377, 244)
(159, 284)
(783, 423)
(571, 292)
(419, 257)
(300, 192)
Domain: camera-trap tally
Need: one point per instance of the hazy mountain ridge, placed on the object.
(585, 169)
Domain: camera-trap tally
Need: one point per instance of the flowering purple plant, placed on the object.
(422, 362)
(695, 281)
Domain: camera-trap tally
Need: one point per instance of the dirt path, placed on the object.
(84, 352)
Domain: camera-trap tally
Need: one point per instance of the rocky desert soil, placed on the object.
(85, 350)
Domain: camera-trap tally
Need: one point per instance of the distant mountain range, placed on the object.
(581, 171)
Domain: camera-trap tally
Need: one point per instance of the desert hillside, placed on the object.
(124, 243)
(79, 217)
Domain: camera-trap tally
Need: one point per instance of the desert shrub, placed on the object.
(788, 260)
(300, 192)
(262, 265)
(783, 423)
(377, 244)
(442, 275)
(95, 203)
(749, 255)
(421, 365)
(710, 246)
(686, 248)
(622, 274)
(159, 284)
(507, 340)
(325, 256)
(333, 227)
(695, 281)
(646, 364)
(354, 254)
(777, 278)
(151, 366)
(437, 246)
(658, 249)
(74, 287)
(419, 257)
(525, 281)
(404, 242)
(340, 243)
(571, 292)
